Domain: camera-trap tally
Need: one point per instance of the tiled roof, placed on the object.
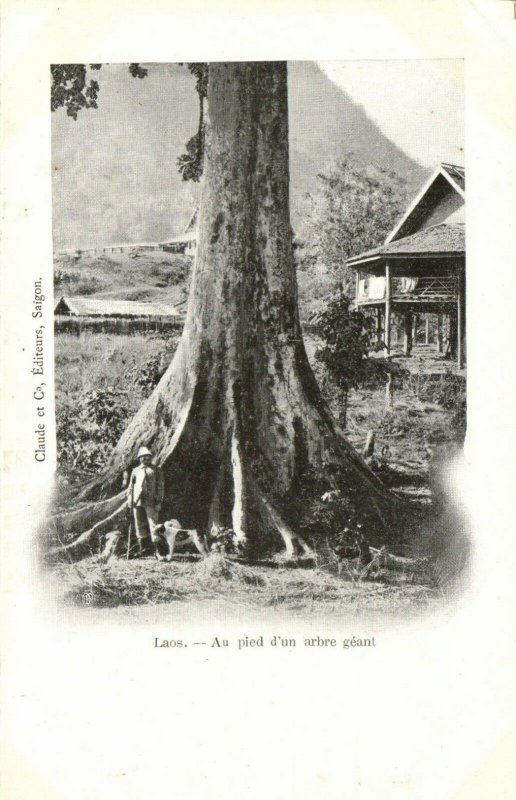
(437, 239)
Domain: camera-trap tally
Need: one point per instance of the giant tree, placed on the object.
(237, 422)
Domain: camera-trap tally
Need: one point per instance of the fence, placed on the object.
(117, 325)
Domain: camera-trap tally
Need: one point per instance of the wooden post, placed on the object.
(357, 286)
(368, 451)
(414, 329)
(459, 342)
(378, 325)
(388, 305)
(439, 342)
(460, 321)
(427, 329)
(388, 393)
(453, 335)
(407, 333)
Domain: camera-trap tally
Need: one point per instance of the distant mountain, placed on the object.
(325, 124)
(114, 170)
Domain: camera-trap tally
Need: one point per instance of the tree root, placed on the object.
(289, 537)
(86, 515)
(91, 536)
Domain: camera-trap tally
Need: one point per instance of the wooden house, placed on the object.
(420, 268)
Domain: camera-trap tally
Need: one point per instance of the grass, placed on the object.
(409, 429)
(304, 591)
(103, 360)
(131, 275)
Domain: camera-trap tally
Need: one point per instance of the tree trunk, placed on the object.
(237, 422)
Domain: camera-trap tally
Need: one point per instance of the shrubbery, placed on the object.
(67, 281)
(90, 423)
(333, 523)
(170, 274)
(88, 427)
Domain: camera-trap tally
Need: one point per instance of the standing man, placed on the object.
(145, 497)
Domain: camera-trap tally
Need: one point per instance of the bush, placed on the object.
(76, 281)
(169, 274)
(62, 277)
(89, 285)
(334, 519)
(146, 376)
(88, 427)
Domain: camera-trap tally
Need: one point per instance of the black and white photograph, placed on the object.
(260, 336)
(257, 502)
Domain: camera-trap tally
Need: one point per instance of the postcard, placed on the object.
(257, 433)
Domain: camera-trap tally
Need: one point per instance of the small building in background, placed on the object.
(185, 242)
(419, 271)
(75, 314)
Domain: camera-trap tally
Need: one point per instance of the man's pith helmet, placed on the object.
(144, 451)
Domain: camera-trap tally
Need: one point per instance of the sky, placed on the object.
(418, 104)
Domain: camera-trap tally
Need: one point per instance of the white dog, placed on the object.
(169, 531)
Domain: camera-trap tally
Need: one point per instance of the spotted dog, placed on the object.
(170, 530)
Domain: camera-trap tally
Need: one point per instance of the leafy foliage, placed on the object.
(447, 390)
(333, 518)
(71, 88)
(191, 163)
(88, 428)
(147, 376)
(348, 338)
(353, 209)
(137, 71)
(223, 541)
(199, 70)
(90, 423)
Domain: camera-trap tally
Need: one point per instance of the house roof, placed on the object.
(456, 173)
(103, 307)
(190, 232)
(438, 185)
(443, 239)
(192, 222)
(190, 236)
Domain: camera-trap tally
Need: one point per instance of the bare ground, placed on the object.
(218, 586)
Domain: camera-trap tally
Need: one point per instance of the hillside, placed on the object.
(136, 275)
(116, 182)
(149, 275)
(324, 125)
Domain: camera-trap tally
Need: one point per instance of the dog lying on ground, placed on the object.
(170, 530)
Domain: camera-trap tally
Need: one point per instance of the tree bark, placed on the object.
(237, 422)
